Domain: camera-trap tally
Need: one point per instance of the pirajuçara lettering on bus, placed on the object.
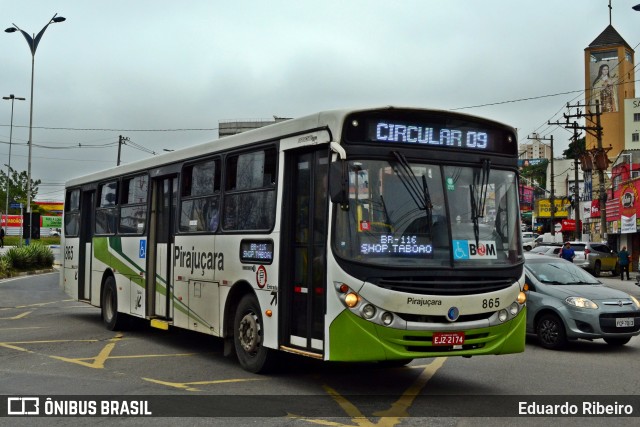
(423, 301)
(197, 260)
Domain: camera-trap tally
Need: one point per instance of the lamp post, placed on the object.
(33, 45)
(6, 209)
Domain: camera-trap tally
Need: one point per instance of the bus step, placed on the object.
(160, 324)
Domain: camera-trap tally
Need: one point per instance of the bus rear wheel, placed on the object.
(248, 337)
(109, 306)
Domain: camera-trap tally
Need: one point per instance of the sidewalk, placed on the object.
(628, 286)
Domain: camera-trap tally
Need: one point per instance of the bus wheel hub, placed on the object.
(248, 333)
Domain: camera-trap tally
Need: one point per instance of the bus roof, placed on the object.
(331, 120)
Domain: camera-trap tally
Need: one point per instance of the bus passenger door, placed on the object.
(85, 255)
(159, 244)
(303, 249)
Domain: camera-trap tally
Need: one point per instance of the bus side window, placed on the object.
(107, 210)
(200, 197)
(249, 200)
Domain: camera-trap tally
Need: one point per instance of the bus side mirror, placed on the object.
(338, 183)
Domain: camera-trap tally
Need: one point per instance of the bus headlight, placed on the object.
(513, 309)
(503, 315)
(368, 311)
(387, 318)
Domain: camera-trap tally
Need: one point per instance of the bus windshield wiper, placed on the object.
(478, 192)
(419, 192)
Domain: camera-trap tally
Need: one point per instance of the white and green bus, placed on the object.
(382, 235)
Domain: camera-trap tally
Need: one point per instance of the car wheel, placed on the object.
(550, 332)
(617, 342)
(597, 269)
(248, 337)
(616, 270)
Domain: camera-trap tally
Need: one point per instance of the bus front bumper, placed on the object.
(354, 339)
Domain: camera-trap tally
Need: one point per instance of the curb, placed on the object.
(30, 273)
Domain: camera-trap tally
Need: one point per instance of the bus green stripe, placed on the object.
(101, 251)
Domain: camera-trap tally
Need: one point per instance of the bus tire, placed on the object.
(248, 337)
(109, 306)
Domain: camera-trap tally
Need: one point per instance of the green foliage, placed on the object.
(536, 173)
(24, 258)
(15, 240)
(17, 189)
(5, 267)
(576, 148)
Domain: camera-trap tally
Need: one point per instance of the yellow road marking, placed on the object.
(46, 341)
(389, 417)
(142, 356)
(39, 304)
(96, 362)
(187, 386)
(19, 316)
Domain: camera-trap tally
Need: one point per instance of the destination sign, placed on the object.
(430, 130)
(387, 131)
(405, 245)
(256, 251)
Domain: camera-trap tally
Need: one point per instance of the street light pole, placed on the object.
(33, 45)
(6, 209)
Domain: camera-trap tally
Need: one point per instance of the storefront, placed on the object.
(622, 220)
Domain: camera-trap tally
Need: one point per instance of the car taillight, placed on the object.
(586, 252)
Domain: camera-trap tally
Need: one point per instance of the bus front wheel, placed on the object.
(248, 337)
(109, 306)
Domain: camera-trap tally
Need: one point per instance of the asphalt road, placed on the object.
(51, 346)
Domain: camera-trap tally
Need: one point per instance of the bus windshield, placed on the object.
(419, 215)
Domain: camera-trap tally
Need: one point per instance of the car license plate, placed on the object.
(448, 338)
(624, 322)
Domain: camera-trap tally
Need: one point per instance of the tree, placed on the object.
(576, 148)
(536, 173)
(17, 190)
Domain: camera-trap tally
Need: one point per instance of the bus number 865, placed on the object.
(491, 303)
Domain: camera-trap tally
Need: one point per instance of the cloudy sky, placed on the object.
(164, 73)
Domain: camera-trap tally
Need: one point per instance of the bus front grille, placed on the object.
(444, 286)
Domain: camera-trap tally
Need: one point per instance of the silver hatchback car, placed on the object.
(564, 302)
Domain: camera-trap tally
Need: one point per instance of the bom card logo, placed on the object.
(467, 249)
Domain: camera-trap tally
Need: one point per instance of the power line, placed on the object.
(119, 130)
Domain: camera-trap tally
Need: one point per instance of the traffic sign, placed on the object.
(15, 205)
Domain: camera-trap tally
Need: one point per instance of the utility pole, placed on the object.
(576, 187)
(594, 128)
(121, 141)
(552, 194)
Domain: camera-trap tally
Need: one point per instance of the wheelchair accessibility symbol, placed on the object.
(460, 249)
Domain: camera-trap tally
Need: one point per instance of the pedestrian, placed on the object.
(623, 262)
(567, 252)
(1, 237)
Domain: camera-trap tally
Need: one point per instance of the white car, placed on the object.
(529, 240)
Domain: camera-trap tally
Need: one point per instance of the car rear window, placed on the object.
(600, 248)
(578, 247)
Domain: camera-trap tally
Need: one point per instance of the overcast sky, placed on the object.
(150, 70)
